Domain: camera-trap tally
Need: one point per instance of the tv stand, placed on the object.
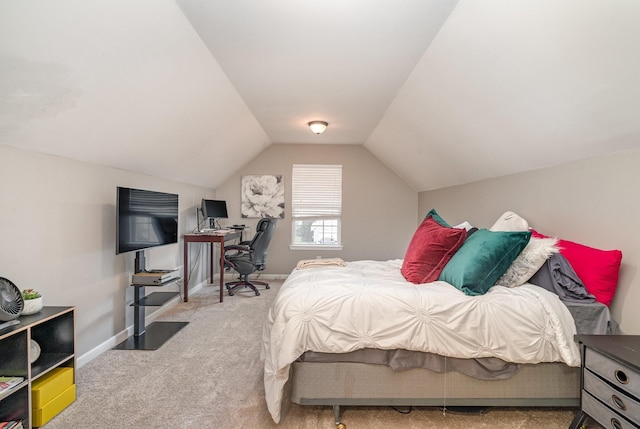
(139, 263)
(153, 336)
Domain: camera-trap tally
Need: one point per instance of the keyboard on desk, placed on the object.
(215, 231)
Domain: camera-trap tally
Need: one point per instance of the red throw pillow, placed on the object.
(598, 269)
(431, 247)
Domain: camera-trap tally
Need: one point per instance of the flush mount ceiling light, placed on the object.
(318, 127)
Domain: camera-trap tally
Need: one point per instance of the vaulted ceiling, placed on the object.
(443, 92)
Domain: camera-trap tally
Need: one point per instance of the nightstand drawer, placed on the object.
(614, 398)
(603, 415)
(616, 373)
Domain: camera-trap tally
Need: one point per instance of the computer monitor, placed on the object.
(214, 209)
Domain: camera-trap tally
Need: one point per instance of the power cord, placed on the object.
(397, 410)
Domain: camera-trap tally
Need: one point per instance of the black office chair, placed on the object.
(249, 257)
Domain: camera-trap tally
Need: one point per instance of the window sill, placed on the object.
(315, 247)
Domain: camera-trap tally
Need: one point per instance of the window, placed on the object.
(316, 206)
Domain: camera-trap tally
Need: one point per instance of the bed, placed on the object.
(445, 326)
(526, 326)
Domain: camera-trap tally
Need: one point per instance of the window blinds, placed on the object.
(316, 191)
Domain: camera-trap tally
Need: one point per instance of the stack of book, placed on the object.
(13, 424)
(8, 383)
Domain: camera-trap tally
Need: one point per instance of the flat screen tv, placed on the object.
(145, 219)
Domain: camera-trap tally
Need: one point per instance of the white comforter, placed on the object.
(368, 304)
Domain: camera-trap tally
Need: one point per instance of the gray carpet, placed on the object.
(209, 375)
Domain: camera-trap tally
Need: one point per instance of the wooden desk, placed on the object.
(211, 239)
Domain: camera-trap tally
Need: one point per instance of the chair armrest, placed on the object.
(240, 247)
(227, 263)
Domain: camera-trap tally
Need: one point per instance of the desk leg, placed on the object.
(185, 268)
(212, 270)
(221, 269)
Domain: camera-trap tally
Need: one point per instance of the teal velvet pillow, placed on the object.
(437, 217)
(482, 259)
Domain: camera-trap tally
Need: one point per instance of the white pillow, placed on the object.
(466, 225)
(510, 221)
(529, 261)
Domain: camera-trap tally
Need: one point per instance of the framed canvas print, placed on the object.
(262, 196)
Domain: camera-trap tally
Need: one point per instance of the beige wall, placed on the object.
(593, 202)
(378, 212)
(57, 223)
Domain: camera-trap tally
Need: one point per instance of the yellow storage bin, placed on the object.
(50, 385)
(42, 415)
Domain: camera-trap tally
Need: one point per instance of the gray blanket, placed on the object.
(558, 276)
(401, 360)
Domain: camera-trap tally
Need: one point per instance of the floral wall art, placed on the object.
(262, 196)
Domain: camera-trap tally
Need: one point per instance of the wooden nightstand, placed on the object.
(610, 381)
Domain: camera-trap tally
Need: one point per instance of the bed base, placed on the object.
(357, 384)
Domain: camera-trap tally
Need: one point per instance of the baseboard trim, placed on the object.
(126, 333)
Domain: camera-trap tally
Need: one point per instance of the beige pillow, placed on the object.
(510, 221)
(529, 261)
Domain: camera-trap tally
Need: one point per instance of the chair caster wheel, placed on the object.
(341, 426)
(230, 293)
(257, 293)
(267, 287)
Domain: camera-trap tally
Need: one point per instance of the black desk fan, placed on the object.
(11, 303)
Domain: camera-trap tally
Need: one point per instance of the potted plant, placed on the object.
(32, 301)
